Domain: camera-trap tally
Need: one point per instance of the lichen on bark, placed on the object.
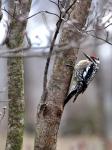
(16, 104)
(15, 80)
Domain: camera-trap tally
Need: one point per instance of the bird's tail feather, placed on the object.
(70, 95)
(77, 90)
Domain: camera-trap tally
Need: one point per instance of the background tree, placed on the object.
(15, 76)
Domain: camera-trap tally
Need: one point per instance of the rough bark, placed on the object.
(15, 80)
(49, 113)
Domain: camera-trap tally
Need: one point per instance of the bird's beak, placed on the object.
(87, 57)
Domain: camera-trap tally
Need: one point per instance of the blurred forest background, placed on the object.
(87, 123)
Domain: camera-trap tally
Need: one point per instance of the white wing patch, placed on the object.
(86, 71)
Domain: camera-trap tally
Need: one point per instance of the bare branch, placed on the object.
(2, 101)
(56, 50)
(70, 6)
(100, 28)
(86, 32)
(42, 12)
(54, 3)
(107, 25)
(13, 15)
(15, 50)
(8, 13)
(58, 5)
(99, 38)
(57, 47)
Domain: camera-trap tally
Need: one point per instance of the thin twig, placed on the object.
(103, 28)
(8, 12)
(99, 38)
(84, 31)
(12, 15)
(57, 50)
(16, 50)
(70, 6)
(54, 3)
(39, 54)
(58, 5)
(51, 13)
(57, 47)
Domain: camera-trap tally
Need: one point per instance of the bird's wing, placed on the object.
(70, 95)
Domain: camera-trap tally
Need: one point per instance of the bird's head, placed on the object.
(93, 59)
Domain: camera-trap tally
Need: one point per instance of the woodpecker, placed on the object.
(84, 72)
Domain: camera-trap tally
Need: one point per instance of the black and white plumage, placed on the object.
(84, 73)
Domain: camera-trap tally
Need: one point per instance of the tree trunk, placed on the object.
(15, 80)
(50, 111)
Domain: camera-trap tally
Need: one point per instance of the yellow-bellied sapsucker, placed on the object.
(84, 72)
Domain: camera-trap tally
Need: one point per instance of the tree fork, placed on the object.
(49, 112)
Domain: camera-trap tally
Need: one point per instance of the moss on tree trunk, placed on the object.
(16, 104)
(15, 95)
(15, 80)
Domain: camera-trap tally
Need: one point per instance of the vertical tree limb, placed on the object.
(58, 26)
(49, 113)
(15, 78)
